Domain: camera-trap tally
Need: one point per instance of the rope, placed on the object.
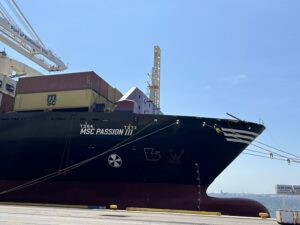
(271, 153)
(264, 153)
(262, 156)
(74, 166)
(277, 149)
(283, 156)
(66, 152)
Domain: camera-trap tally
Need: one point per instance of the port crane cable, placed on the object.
(6, 15)
(14, 8)
(17, 11)
(72, 167)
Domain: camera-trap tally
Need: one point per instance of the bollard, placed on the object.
(263, 215)
(113, 207)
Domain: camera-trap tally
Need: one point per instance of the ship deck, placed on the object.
(41, 215)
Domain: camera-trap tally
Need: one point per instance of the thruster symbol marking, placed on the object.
(114, 160)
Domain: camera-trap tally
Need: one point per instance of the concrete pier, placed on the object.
(41, 215)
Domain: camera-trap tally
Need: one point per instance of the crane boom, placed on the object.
(27, 44)
(14, 68)
(26, 22)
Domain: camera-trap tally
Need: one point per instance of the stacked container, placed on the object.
(7, 93)
(80, 91)
(6, 103)
(7, 85)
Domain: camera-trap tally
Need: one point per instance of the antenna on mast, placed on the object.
(154, 85)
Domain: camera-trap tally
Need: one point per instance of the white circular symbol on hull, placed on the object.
(114, 160)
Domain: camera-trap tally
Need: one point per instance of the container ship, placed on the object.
(74, 139)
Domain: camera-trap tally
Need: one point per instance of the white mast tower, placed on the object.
(154, 85)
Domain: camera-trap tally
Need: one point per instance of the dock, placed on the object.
(49, 215)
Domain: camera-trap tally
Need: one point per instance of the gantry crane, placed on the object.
(154, 84)
(26, 40)
(14, 68)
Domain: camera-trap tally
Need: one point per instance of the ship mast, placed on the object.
(154, 85)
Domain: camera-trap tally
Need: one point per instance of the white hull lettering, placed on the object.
(88, 129)
(109, 131)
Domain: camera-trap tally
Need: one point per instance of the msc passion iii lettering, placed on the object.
(88, 129)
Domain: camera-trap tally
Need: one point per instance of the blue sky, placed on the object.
(235, 56)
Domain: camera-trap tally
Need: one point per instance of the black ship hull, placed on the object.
(131, 160)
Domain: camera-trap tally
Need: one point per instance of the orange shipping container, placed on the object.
(63, 82)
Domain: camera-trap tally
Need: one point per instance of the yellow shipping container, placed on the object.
(111, 94)
(57, 100)
(117, 95)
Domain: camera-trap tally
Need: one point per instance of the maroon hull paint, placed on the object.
(124, 195)
(232, 206)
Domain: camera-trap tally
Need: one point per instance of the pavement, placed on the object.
(41, 215)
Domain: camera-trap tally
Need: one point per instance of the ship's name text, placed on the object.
(88, 129)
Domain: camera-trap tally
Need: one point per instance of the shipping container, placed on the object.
(114, 94)
(109, 106)
(126, 105)
(143, 103)
(111, 94)
(117, 95)
(63, 82)
(7, 85)
(1, 83)
(10, 86)
(49, 101)
(104, 88)
(6, 103)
